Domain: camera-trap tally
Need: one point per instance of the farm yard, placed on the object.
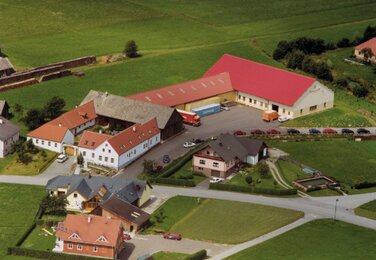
(327, 239)
(200, 218)
(206, 32)
(349, 162)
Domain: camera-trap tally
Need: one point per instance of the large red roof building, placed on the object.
(371, 44)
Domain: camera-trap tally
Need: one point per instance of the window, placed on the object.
(106, 159)
(134, 151)
(239, 97)
(200, 168)
(243, 98)
(215, 164)
(75, 195)
(70, 246)
(261, 103)
(55, 144)
(109, 151)
(92, 155)
(103, 150)
(42, 142)
(288, 113)
(84, 153)
(95, 249)
(266, 105)
(112, 160)
(312, 108)
(49, 143)
(36, 141)
(324, 104)
(100, 157)
(79, 247)
(250, 100)
(202, 162)
(254, 101)
(301, 111)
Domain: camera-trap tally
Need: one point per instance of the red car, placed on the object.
(329, 131)
(257, 132)
(126, 236)
(172, 235)
(273, 132)
(239, 132)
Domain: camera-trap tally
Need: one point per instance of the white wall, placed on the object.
(106, 152)
(51, 145)
(82, 127)
(5, 146)
(75, 203)
(252, 159)
(315, 95)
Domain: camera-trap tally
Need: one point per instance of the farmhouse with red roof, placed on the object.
(269, 88)
(368, 44)
(90, 235)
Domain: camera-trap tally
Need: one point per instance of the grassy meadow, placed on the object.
(367, 210)
(319, 239)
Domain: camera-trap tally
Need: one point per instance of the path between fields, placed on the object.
(263, 238)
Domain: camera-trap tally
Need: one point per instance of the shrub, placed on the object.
(248, 179)
(46, 254)
(295, 59)
(343, 43)
(360, 90)
(330, 46)
(263, 169)
(283, 48)
(131, 49)
(314, 188)
(341, 83)
(200, 255)
(229, 187)
(364, 185)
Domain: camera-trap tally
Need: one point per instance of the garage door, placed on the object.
(69, 150)
(215, 173)
(201, 103)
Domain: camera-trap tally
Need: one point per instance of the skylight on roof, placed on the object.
(221, 81)
(86, 141)
(171, 93)
(193, 87)
(205, 86)
(182, 90)
(148, 99)
(160, 96)
(93, 143)
(212, 82)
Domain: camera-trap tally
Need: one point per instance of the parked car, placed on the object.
(239, 132)
(257, 132)
(213, 138)
(225, 108)
(314, 131)
(61, 158)
(126, 236)
(347, 131)
(172, 235)
(282, 119)
(189, 144)
(197, 141)
(362, 131)
(166, 158)
(273, 132)
(216, 180)
(293, 131)
(329, 131)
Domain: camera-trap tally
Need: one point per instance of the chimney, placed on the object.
(88, 219)
(100, 131)
(134, 128)
(60, 125)
(76, 106)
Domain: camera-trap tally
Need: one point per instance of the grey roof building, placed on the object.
(132, 111)
(90, 186)
(7, 129)
(6, 67)
(4, 109)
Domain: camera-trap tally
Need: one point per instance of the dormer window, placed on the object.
(102, 239)
(75, 236)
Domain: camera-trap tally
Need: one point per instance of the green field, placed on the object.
(367, 210)
(19, 205)
(168, 256)
(319, 239)
(220, 220)
(349, 162)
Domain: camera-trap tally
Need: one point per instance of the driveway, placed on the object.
(142, 244)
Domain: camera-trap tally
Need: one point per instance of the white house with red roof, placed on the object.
(371, 44)
(269, 88)
(61, 131)
(89, 235)
(121, 149)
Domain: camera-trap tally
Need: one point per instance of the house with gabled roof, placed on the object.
(121, 149)
(370, 44)
(85, 192)
(133, 218)
(89, 235)
(9, 133)
(6, 67)
(223, 156)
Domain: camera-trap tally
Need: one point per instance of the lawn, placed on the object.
(219, 220)
(11, 166)
(257, 180)
(162, 255)
(367, 210)
(319, 239)
(39, 240)
(349, 162)
(187, 170)
(19, 205)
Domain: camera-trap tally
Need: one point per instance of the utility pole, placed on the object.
(335, 209)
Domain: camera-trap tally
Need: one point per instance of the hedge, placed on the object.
(200, 255)
(364, 185)
(229, 187)
(46, 254)
(176, 164)
(178, 182)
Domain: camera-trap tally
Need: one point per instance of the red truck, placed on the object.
(190, 117)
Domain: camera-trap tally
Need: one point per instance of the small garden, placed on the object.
(26, 160)
(218, 220)
(186, 173)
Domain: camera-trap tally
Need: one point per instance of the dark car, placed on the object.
(166, 158)
(273, 132)
(314, 131)
(257, 132)
(239, 132)
(197, 141)
(329, 131)
(362, 131)
(293, 131)
(172, 235)
(347, 131)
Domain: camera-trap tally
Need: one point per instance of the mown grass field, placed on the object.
(319, 239)
(169, 256)
(218, 220)
(349, 162)
(367, 210)
(19, 205)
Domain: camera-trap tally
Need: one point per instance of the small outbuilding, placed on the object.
(6, 67)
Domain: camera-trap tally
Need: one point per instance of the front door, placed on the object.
(275, 108)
